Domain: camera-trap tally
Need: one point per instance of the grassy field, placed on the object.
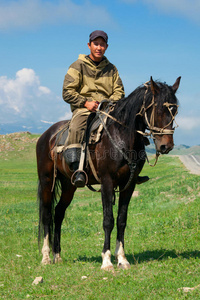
(162, 235)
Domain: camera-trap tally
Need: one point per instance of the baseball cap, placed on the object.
(98, 33)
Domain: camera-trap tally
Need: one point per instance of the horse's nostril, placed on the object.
(163, 149)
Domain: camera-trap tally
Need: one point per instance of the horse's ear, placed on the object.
(176, 84)
(154, 87)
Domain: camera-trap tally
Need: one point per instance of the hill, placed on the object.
(185, 150)
(18, 140)
(178, 150)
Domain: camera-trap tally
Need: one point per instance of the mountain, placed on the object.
(186, 150)
(178, 150)
(37, 127)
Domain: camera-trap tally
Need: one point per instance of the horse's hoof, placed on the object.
(57, 259)
(108, 268)
(124, 266)
(46, 261)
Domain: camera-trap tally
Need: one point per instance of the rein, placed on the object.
(109, 116)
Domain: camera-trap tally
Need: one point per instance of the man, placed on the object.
(89, 80)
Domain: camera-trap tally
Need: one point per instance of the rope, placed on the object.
(156, 160)
(93, 168)
(150, 123)
(111, 117)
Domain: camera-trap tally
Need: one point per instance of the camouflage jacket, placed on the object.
(86, 81)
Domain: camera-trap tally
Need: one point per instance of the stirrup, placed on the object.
(79, 178)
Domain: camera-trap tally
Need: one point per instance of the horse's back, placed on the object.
(44, 144)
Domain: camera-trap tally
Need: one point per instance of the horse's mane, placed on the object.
(127, 108)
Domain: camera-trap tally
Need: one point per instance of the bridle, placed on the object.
(153, 130)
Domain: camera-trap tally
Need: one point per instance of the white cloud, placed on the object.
(16, 93)
(44, 90)
(27, 77)
(188, 131)
(23, 97)
(66, 116)
(46, 122)
(32, 13)
(187, 8)
(188, 123)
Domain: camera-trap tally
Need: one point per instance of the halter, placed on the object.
(153, 130)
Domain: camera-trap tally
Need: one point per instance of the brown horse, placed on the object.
(117, 158)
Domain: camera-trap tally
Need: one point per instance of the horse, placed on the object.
(117, 160)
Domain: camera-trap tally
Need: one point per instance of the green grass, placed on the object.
(162, 240)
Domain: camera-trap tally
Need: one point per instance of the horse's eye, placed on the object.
(173, 109)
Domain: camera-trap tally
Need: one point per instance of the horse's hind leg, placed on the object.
(45, 224)
(124, 200)
(66, 197)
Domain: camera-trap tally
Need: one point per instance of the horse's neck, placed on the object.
(132, 109)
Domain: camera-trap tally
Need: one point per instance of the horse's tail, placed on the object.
(54, 201)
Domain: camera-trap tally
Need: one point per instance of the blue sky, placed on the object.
(39, 39)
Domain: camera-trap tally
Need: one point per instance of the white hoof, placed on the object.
(109, 268)
(122, 262)
(57, 258)
(124, 266)
(46, 261)
(106, 263)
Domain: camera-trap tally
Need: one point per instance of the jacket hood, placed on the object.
(88, 61)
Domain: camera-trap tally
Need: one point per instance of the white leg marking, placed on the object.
(46, 251)
(57, 258)
(122, 262)
(106, 261)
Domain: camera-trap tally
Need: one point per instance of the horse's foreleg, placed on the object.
(124, 200)
(65, 199)
(108, 221)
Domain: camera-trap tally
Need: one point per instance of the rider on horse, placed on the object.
(89, 80)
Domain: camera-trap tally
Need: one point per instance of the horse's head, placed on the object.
(160, 115)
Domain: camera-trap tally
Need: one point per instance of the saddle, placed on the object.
(93, 129)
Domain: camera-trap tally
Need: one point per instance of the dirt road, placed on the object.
(191, 162)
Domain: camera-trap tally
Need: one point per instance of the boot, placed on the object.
(79, 180)
(146, 141)
(78, 176)
(72, 158)
(142, 179)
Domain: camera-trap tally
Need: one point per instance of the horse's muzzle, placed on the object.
(164, 145)
(165, 149)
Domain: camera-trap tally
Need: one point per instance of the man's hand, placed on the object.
(91, 105)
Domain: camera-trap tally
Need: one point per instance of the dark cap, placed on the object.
(98, 33)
